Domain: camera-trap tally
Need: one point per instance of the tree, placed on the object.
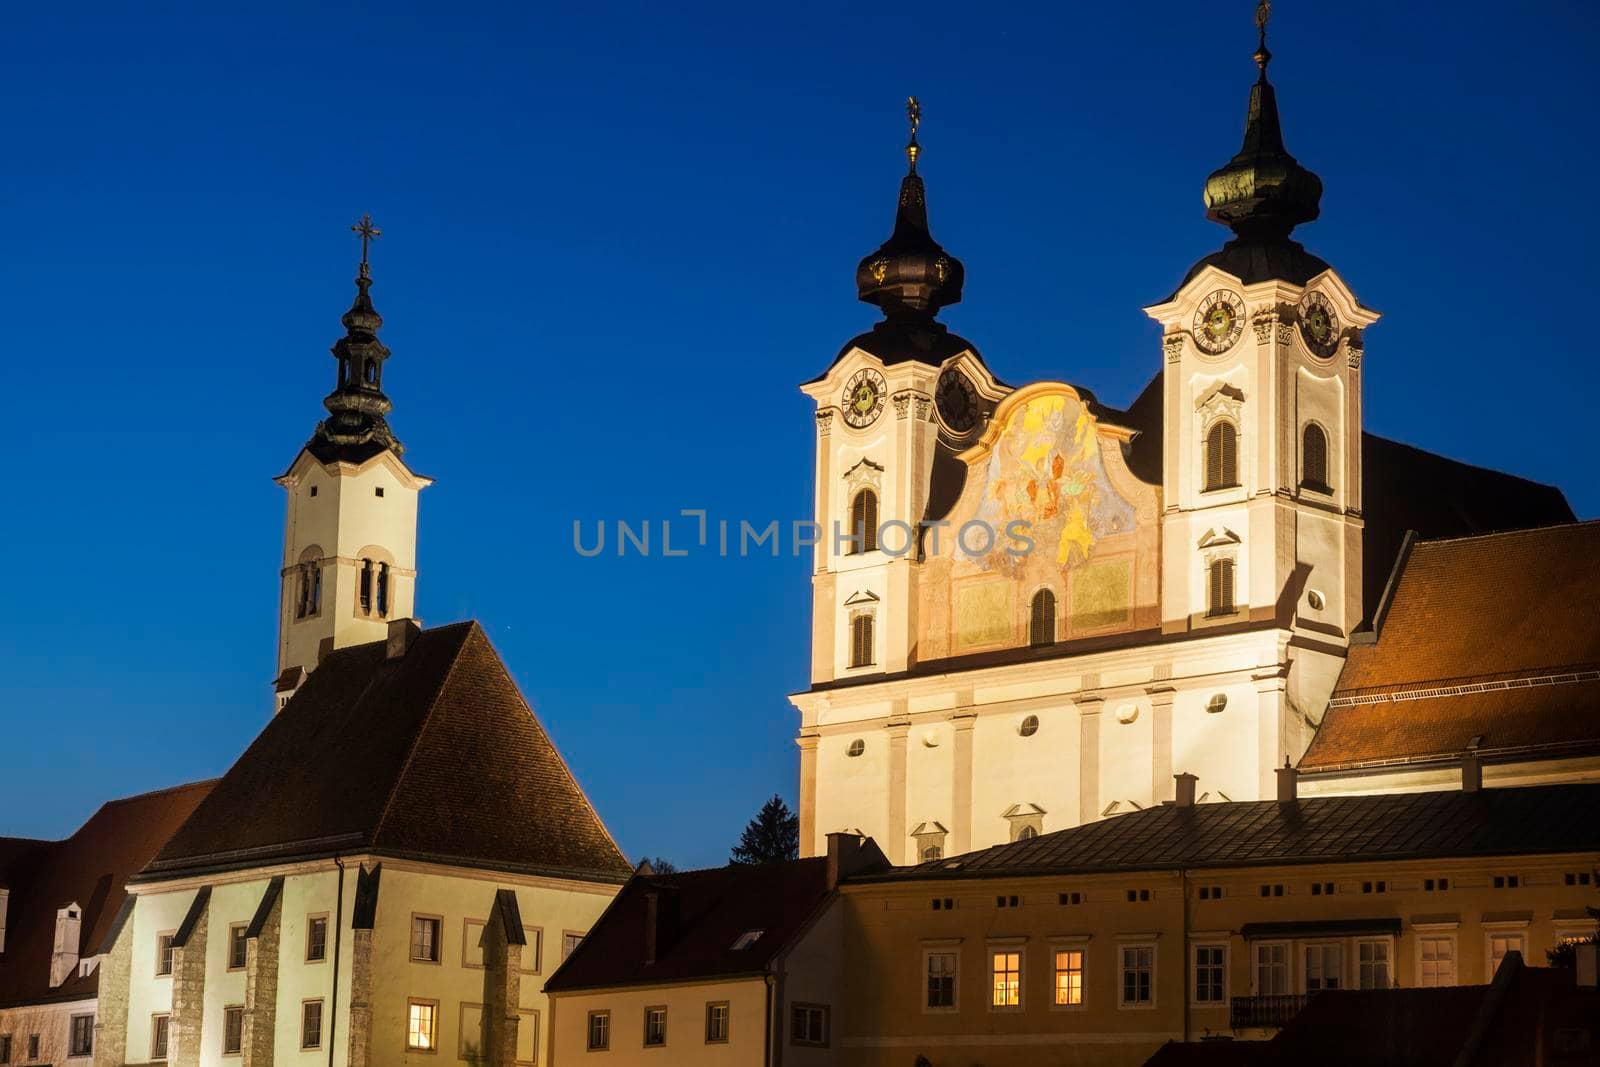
(1565, 954)
(661, 865)
(771, 837)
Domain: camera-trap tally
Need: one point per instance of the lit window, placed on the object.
(599, 1030)
(1220, 587)
(1373, 964)
(164, 953)
(316, 938)
(237, 946)
(80, 1036)
(1006, 979)
(160, 1029)
(861, 650)
(716, 1023)
(1210, 973)
(746, 939)
(1438, 961)
(233, 1029)
(1499, 945)
(425, 938)
(1042, 623)
(422, 1025)
(1324, 965)
(1069, 977)
(1222, 456)
(808, 1025)
(311, 1024)
(1138, 976)
(941, 980)
(1314, 458)
(1272, 970)
(864, 522)
(655, 1026)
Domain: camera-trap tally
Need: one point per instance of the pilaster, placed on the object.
(189, 991)
(360, 1050)
(1270, 706)
(808, 793)
(1161, 785)
(895, 845)
(1089, 708)
(261, 985)
(111, 1008)
(961, 794)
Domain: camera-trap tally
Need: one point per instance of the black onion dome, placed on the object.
(355, 429)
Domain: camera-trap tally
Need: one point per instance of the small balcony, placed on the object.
(1269, 1013)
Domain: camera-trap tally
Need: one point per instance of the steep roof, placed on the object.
(90, 868)
(433, 754)
(1491, 822)
(707, 912)
(1495, 638)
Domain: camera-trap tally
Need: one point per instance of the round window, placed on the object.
(1029, 726)
(1217, 702)
(857, 747)
(1314, 598)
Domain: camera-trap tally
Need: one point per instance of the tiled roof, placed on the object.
(1494, 637)
(91, 868)
(1557, 818)
(713, 908)
(433, 755)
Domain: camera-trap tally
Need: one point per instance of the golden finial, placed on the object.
(369, 233)
(914, 116)
(1262, 56)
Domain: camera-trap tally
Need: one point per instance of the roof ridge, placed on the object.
(160, 792)
(1459, 462)
(1431, 541)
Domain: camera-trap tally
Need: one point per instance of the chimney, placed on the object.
(852, 853)
(1471, 773)
(64, 959)
(5, 899)
(1288, 783)
(1185, 789)
(660, 920)
(402, 632)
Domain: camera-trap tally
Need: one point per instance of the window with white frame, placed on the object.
(1324, 966)
(1138, 985)
(655, 1026)
(1437, 959)
(316, 938)
(1005, 978)
(1499, 945)
(1210, 973)
(422, 1025)
(808, 1025)
(425, 938)
(238, 946)
(1069, 978)
(1372, 964)
(311, 1024)
(164, 952)
(717, 1022)
(940, 968)
(1272, 969)
(599, 1031)
(160, 1031)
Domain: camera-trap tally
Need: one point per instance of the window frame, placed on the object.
(1305, 482)
(1491, 934)
(863, 649)
(322, 1022)
(997, 949)
(1226, 606)
(865, 501)
(602, 1016)
(1322, 946)
(166, 954)
(1226, 479)
(1287, 963)
(1424, 937)
(928, 952)
(1220, 966)
(311, 920)
(433, 1032)
(727, 1022)
(1386, 943)
(1036, 637)
(1056, 971)
(649, 1009)
(237, 936)
(438, 938)
(230, 1011)
(1123, 1003)
(73, 1022)
(566, 953)
(822, 1014)
(165, 1049)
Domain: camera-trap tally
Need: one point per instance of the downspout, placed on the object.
(338, 931)
(772, 1038)
(1188, 976)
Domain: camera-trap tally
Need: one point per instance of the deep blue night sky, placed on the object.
(616, 239)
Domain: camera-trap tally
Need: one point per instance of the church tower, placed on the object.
(350, 539)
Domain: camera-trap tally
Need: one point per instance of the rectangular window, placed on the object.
(1272, 970)
(233, 1030)
(316, 938)
(33, 1046)
(1005, 973)
(164, 952)
(717, 1022)
(599, 1031)
(422, 1025)
(5, 1048)
(1210, 973)
(941, 979)
(1438, 961)
(655, 1026)
(1069, 978)
(1138, 976)
(160, 1028)
(237, 946)
(1499, 945)
(1069, 898)
(1373, 959)
(80, 1036)
(808, 1025)
(311, 1024)
(425, 938)
(569, 943)
(1322, 889)
(533, 949)
(1324, 966)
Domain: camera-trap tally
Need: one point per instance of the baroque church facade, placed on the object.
(1035, 609)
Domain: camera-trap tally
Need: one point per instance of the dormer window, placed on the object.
(746, 939)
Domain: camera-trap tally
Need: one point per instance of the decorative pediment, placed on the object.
(1223, 400)
(1214, 538)
(929, 829)
(1023, 811)
(864, 475)
(861, 596)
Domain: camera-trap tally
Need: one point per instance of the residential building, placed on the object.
(736, 965)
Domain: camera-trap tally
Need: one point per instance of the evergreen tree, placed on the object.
(771, 837)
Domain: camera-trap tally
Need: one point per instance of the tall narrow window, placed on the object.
(1374, 964)
(160, 1028)
(233, 1029)
(1042, 626)
(425, 938)
(238, 946)
(383, 590)
(1324, 967)
(599, 1030)
(80, 1036)
(1272, 970)
(941, 979)
(316, 938)
(655, 1026)
(1438, 962)
(1210, 970)
(366, 586)
(164, 953)
(1069, 977)
(1006, 979)
(1220, 599)
(422, 1025)
(1138, 976)
(311, 1024)
(864, 522)
(1222, 456)
(372, 372)
(716, 1022)
(1314, 458)
(861, 641)
(302, 606)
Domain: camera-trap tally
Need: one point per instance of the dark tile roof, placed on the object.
(708, 911)
(1216, 1052)
(1491, 822)
(91, 867)
(432, 755)
(1508, 625)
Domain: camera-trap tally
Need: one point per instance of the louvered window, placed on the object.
(1221, 596)
(1314, 458)
(1042, 626)
(864, 522)
(1222, 456)
(861, 641)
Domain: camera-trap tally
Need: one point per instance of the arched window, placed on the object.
(372, 372)
(1221, 582)
(864, 522)
(368, 577)
(1314, 458)
(344, 372)
(1042, 624)
(1027, 832)
(309, 598)
(383, 590)
(861, 641)
(932, 852)
(1222, 456)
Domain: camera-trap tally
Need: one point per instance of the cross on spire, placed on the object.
(913, 116)
(1262, 56)
(369, 233)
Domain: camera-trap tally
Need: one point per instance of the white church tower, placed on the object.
(350, 539)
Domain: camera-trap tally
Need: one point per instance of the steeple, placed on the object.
(1262, 193)
(355, 429)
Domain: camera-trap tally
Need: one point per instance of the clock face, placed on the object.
(1318, 324)
(956, 401)
(1218, 321)
(863, 398)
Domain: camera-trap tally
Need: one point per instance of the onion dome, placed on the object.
(355, 429)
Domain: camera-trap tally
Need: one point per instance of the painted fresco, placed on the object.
(1045, 469)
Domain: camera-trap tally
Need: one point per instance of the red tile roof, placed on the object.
(89, 868)
(1495, 637)
(431, 755)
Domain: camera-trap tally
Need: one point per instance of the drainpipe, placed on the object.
(1188, 977)
(772, 1038)
(338, 931)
